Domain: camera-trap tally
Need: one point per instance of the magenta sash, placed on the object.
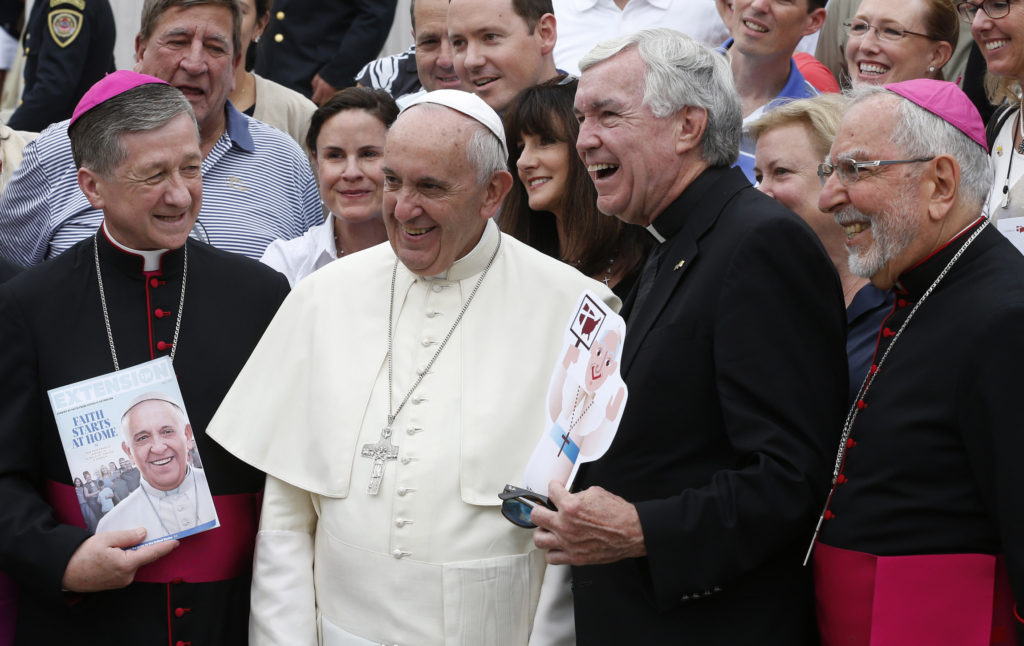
(214, 555)
(934, 599)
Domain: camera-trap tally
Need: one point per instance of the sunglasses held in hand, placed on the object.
(517, 504)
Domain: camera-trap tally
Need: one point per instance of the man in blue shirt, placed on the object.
(765, 35)
(257, 183)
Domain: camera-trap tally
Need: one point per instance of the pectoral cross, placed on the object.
(381, 453)
(565, 440)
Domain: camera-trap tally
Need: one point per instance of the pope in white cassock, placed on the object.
(394, 395)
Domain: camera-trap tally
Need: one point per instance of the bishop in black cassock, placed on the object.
(53, 331)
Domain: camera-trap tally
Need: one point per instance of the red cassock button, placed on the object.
(153, 282)
(861, 404)
(160, 313)
(886, 332)
(162, 345)
(841, 479)
(829, 515)
(850, 443)
(179, 612)
(902, 302)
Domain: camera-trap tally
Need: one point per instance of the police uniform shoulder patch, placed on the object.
(65, 25)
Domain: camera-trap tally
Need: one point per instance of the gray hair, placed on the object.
(485, 153)
(920, 133)
(680, 72)
(96, 135)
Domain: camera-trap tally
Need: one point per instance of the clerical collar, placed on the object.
(151, 259)
(914, 281)
(670, 221)
(473, 262)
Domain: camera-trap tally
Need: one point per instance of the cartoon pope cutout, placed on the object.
(586, 397)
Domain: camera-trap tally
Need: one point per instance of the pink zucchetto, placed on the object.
(946, 101)
(110, 86)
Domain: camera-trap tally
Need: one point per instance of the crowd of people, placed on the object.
(808, 213)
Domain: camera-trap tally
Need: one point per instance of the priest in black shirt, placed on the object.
(137, 289)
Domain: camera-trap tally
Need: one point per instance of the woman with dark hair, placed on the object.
(346, 142)
(553, 203)
(260, 98)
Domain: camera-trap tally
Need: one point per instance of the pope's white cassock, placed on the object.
(178, 512)
(429, 559)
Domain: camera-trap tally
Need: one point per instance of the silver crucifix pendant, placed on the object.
(381, 453)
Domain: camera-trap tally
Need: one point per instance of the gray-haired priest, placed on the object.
(391, 400)
(135, 290)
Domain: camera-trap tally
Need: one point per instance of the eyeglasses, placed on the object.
(891, 33)
(849, 169)
(516, 505)
(994, 9)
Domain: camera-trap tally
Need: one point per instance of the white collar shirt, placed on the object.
(582, 24)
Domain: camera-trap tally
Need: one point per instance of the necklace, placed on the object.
(106, 315)
(384, 451)
(195, 499)
(1018, 125)
(573, 420)
(869, 379)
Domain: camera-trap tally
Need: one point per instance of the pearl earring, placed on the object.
(256, 39)
(930, 68)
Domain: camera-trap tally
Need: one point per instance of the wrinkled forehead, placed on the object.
(428, 127)
(866, 130)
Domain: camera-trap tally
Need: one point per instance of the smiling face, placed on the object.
(786, 167)
(630, 154)
(435, 207)
(152, 199)
(772, 27)
(602, 363)
(434, 63)
(494, 51)
(882, 212)
(1002, 41)
(349, 153)
(872, 60)
(157, 437)
(543, 168)
(191, 49)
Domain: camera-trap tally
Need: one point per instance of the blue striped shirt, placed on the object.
(257, 187)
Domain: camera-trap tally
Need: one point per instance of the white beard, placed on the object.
(891, 232)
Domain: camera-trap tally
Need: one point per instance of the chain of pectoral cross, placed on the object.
(383, 451)
(576, 401)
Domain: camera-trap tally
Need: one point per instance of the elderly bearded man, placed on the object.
(392, 399)
(923, 535)
(133, 291)
(691, 526)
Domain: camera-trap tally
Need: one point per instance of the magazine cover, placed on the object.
(131, 453)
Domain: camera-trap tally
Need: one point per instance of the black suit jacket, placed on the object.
(736, 371)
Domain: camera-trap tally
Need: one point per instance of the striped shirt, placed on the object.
(257, 187)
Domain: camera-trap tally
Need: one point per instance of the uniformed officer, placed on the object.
(69, 45)
(317, 48)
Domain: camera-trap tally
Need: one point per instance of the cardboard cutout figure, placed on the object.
(586, 397)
